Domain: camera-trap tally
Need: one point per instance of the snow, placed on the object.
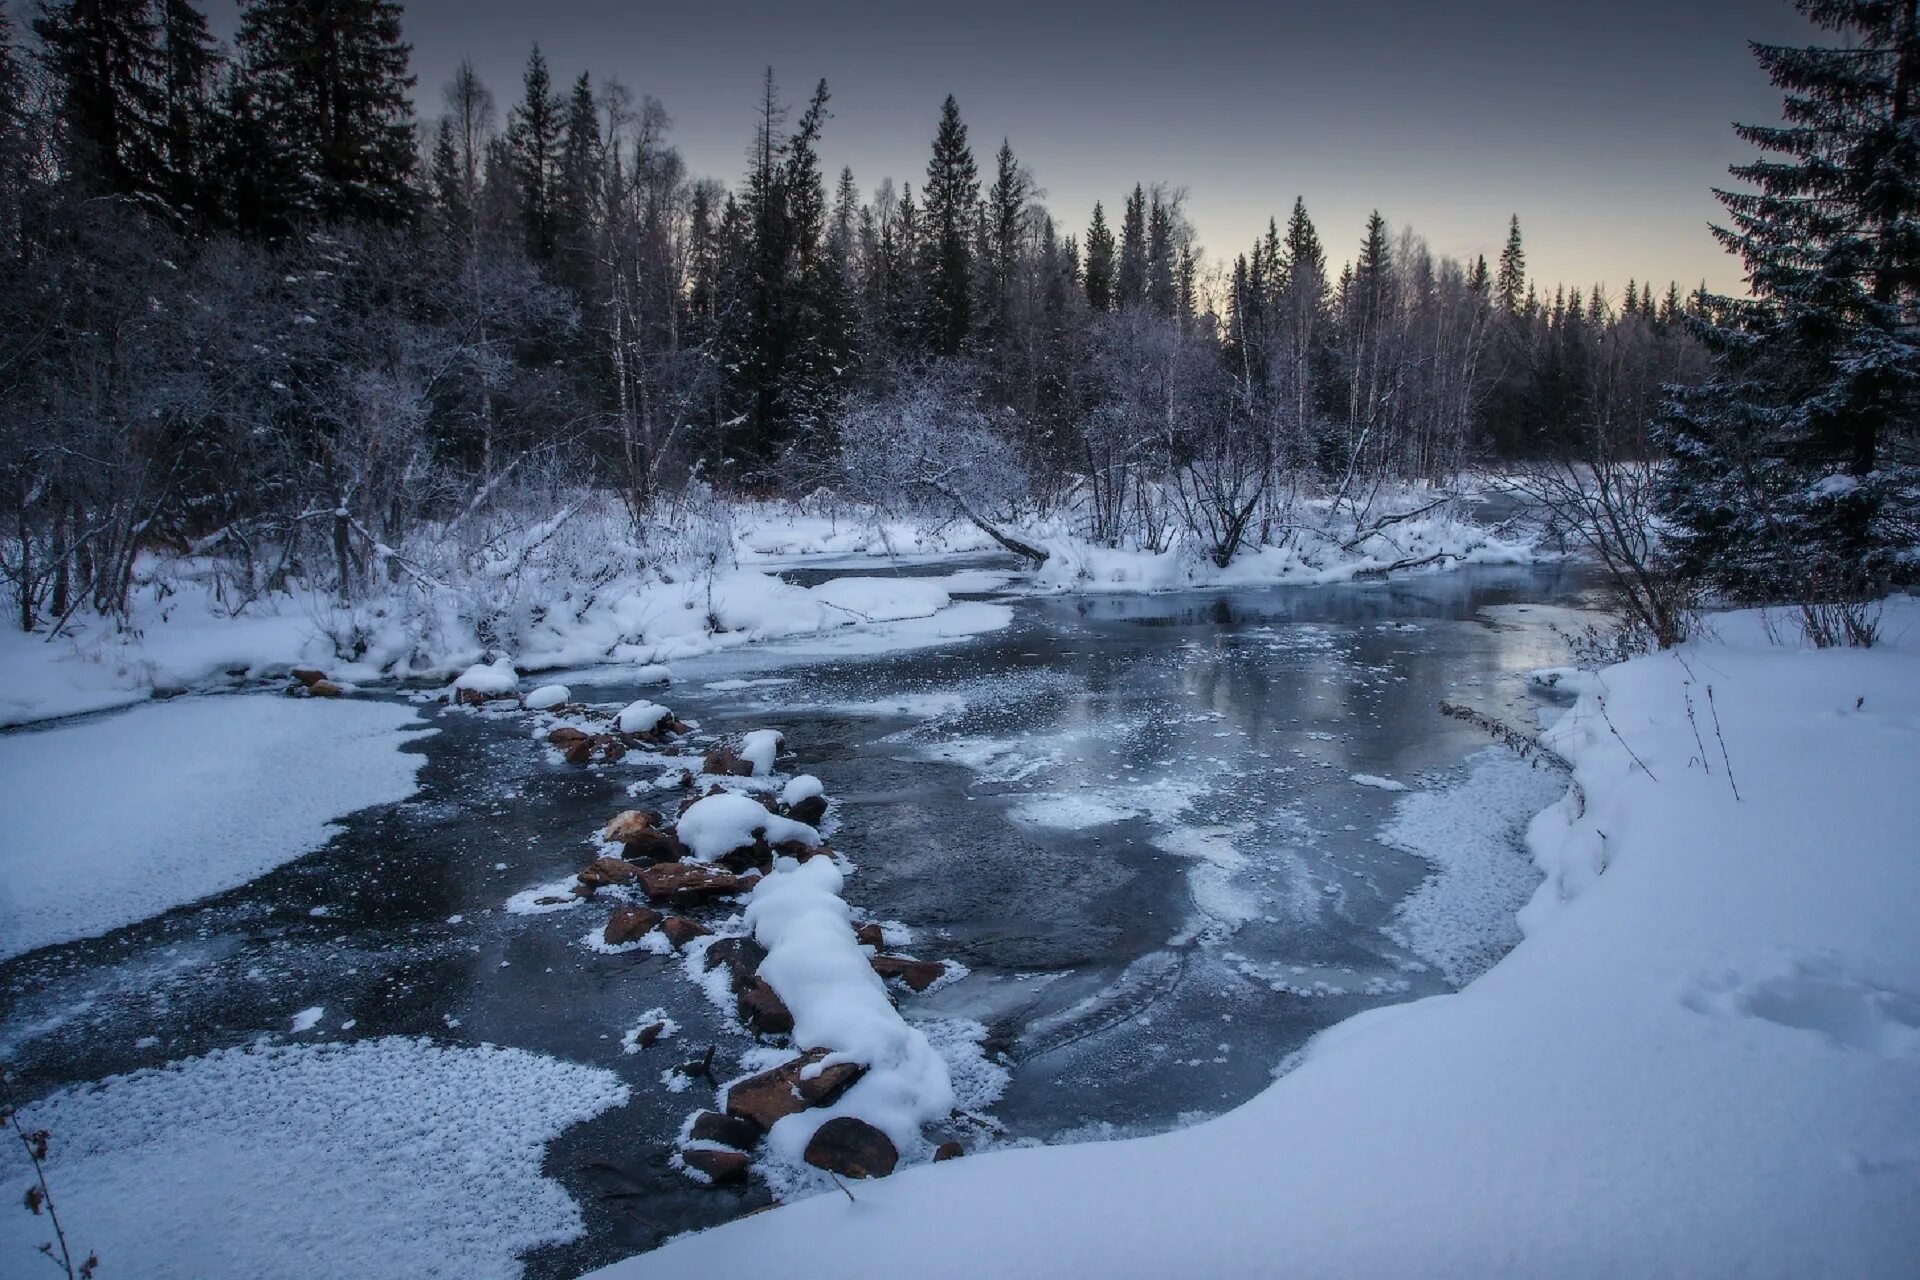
(300, 1161)
(1700, 1060)
(307, 1019)
(800, 787)
(650, 673)
(1377, 782)
(714, 826)
(642, 716)
(491, 678)
(547, 697)
(116, 819)
(839, 1003)
(761, 748)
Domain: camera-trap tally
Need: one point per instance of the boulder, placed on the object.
(948, 1151)
(308, 676)
(646, 1037)
(723, 762)
(684, 882)
(629, 924)
(566, 735)
(809, 810)
(869, 935)
(604, 871)
(638, 830)
(742, 956)
(680, 930)
(917, 974)
(780, 1092)
(728, 1131)
(852, 1148)
(325, 689)
(716, 1166)
(761, 1007)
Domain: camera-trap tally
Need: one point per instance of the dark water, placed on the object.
(1126, 969)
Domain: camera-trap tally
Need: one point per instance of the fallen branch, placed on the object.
(1523, 744)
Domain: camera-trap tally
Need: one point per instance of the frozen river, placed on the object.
(1172, 837)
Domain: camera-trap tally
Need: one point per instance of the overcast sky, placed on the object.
(1602, 124)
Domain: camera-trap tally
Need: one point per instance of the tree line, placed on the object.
(251, 306)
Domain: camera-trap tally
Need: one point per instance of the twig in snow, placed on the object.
(843, 1186)
(40, 1197)
(1622, 741)
(1722, 739)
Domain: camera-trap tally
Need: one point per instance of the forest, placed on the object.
(262, 312)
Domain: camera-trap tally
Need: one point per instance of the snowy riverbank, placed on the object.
(1700, 1061)
(584, 602)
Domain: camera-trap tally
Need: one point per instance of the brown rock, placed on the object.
(639, 831)
(809, 810)
(308, 676)
(722, 761)
(728, 1131)
(580, 752)
(325, 689)
(742, 956)
(685, 882)
(852, 1148)
(680, 930)
(609, 871)
(566, 735)
(611, 749)
(780, 1092)
(869, 935)
(948, 1151)
(761, 1007)
(717, 1167)
(628, 924)
(917, 974)
(648, 1035)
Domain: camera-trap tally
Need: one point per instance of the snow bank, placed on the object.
(304, 1161)
(1699, 1061)
(716, 825)
(113, 820)
(838, 1002)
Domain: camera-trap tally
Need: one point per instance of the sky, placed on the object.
(1602, 124)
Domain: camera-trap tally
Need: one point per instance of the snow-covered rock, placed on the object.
(715, 826)
(547, 697)
(642, 716)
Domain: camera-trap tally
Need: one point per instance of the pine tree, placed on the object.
(534, 132)
(577, 185)
(1006, 215)
(1098, 271)
(326, 86)
(1162, 286)
(1510, 281)
(1794, 469)
(950, 197)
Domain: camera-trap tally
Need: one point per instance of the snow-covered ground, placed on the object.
(589, 599)
(389, 1157)
(1701, 1060)
(117, 818)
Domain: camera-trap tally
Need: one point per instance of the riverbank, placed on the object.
(1699, 1060)
(591, 598)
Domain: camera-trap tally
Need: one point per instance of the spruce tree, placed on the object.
(1130, 284)
(188, 59)
(950, 197)
(1510, 280)
(326, 87)
(106, 59)
(534, 132)
(1162, 284)
(1099, 262)
(1794, 469)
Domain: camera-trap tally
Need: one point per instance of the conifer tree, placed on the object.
(326, 91)
(950, 199)
(1130, 284)
(1795, 472)
(1098, 270)
(1510, 280)
(534, 132)
(106, 57)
